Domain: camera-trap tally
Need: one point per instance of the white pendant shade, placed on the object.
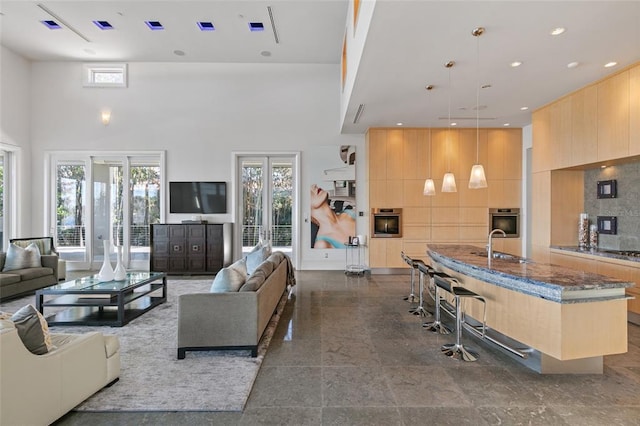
(449, 183)
(429, 187)
(477, 179)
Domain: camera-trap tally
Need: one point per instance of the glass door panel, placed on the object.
(71, 212)
(144, 194)
(266, 211)
(107, 209)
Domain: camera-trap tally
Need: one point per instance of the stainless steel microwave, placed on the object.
(507, 219)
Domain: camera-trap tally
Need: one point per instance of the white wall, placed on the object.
(15, 72)
(199, 114)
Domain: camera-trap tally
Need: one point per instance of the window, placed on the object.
(104, 75)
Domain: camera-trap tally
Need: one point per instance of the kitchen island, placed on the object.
(563, 320)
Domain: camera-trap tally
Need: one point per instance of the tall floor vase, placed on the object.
(106, 272)
(120, 273)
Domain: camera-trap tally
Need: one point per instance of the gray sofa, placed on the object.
(20, 281)
(234, 318)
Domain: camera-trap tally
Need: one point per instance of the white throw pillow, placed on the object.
(227, 280)
(22, 258)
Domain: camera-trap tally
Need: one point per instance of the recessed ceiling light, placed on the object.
(485, 86)
(103, 25)
(573, 64)
(256, 26)
(557, 31)
(178, 52)
(90, 51)
(524, 108)
(52, 25)
(265, 53)
(506, 124)
(206, 26)
(610, 64)
(454, 124)
(429, 87)
(515, 64)
(399, 124)
(154, 25)
(604, 166)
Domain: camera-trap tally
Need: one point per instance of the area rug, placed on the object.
(153, 379)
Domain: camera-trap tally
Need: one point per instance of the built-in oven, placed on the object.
(386, 223)
(507, 219)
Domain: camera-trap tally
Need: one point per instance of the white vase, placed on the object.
(106, 272)
(120, 273)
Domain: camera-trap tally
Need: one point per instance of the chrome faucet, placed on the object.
(490, 244)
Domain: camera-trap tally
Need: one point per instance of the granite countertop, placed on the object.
(612, 254)
(547, 281)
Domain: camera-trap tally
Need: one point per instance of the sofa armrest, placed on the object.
(218, 319)
(50, 261)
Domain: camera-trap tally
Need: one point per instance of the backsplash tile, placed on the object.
(626, 207)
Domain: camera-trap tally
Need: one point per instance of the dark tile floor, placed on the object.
(347, 352)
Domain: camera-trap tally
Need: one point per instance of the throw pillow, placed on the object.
(21, 258)
(240, 266)
(33, 330)
(227, 280)
(44, 244)
(255, 258)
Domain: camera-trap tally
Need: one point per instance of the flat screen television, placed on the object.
(198, 197)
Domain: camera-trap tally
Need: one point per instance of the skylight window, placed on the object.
(154, 25)
(103, 25)
(52, 25)
(206, 26)
(104, 75)
(256, 26)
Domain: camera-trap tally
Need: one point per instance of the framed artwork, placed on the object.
(607, 189)
(608, 225)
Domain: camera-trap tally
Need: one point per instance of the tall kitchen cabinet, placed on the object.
(190, 248)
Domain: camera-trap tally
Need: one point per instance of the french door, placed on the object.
(105, 197)
(267, 203)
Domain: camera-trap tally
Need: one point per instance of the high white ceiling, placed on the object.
(406, 48)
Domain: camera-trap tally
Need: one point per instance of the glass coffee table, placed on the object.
(91, 302)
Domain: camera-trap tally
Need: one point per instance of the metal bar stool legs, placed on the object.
(411, 297)
(457, 350)
(436, 325)
(420, 310)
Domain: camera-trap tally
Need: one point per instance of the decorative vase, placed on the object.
(583, 231)
(106, 272)
(120, 273)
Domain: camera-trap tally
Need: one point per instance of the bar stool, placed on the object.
(411, 297)
(437, 326)
(457, 350)
(423, 269)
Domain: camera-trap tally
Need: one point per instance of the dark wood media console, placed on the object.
(190, 248)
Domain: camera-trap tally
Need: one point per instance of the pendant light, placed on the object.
(449, 180)
(477, 179)
(429, 185)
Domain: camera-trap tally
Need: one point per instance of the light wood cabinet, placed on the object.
(613, 117)
(541, 150)
(584, 127)
(560, 133)
(634, 112)
(401, 159)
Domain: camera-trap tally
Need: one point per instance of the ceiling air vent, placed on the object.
(358, 113)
